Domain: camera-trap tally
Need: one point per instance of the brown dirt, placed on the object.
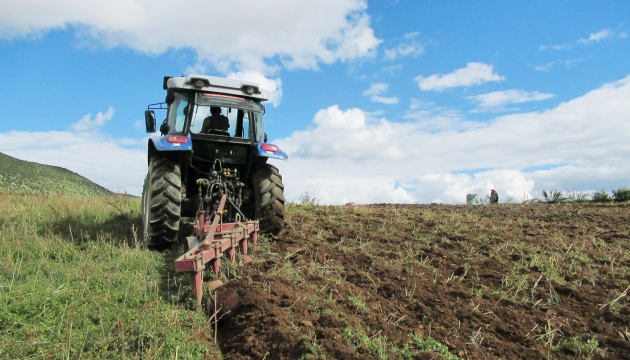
(517, 281)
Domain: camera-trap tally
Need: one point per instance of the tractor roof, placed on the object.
(217, 84)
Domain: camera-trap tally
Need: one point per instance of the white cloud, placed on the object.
(391, 70)
(246, 34)
(88, 125)
(474, 73)
(350, 156)
(593, 37)
(567, 64)
(403, 50)
(117, 164)
(514, 96)
(411, 48)
(596, 37)
(411, 35)
(274, 86)
(375, 92)
(555, 47)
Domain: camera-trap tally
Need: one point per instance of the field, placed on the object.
(530, 281)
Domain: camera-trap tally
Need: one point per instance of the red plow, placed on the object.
(212, 238)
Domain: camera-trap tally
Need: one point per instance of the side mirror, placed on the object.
(149, 120)
(265, 138)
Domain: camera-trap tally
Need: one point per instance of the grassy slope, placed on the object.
(29, 177)
(75, 282)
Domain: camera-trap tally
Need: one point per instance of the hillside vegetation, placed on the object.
(21, 176)
(75, 282)
(527, 281)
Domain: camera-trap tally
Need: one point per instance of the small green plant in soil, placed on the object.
(358, 303)
(314, 348)
(583, 349)
(431, 345)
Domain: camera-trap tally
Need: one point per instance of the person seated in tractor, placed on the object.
(216, 121)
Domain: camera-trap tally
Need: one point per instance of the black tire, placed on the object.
(161, 203)
(269, 199)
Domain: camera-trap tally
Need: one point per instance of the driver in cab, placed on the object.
(216, 121)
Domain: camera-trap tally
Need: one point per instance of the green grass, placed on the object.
(75, 282)
(20, 176)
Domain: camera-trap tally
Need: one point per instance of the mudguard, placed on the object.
(271, 151)
(171, 143)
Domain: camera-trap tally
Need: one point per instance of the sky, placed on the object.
(374, 101)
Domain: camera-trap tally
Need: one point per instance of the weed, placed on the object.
(584, 350)
(312, 302)
(601, 196)
(431, 345)
(621, 195)
(314, 349)
(574, 196)
(307, 198)
(476, 338)
(358, 303)
(553, 196)
(551, 333)
(477, 292)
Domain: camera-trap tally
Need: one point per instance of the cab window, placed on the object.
(177, 113)
(238, 121)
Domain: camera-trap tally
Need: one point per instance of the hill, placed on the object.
(21, 176)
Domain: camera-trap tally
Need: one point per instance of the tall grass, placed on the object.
(75, 282)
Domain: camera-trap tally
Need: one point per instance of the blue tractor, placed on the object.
(212, 143)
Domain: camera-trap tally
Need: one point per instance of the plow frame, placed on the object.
(210, 241)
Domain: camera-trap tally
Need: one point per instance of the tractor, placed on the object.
(209, 163)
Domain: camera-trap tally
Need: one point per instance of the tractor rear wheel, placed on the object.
(269, 199)
(161, 203)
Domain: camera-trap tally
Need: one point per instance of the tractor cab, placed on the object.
(212, 140)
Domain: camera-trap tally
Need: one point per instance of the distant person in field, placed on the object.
(216, 121)
(494, 197)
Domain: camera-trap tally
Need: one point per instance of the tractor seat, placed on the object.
(218, 132)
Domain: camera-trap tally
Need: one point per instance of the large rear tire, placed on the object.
(269, 199)
(161, 203)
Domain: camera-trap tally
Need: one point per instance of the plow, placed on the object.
(212, 239)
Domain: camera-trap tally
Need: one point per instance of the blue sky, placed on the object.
(375, 101)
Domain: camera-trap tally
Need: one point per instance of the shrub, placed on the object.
(622, 194)
(554, 196)
(307, 199)
(601, 196)
(574, 196)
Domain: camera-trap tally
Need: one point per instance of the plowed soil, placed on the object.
(513, 281)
